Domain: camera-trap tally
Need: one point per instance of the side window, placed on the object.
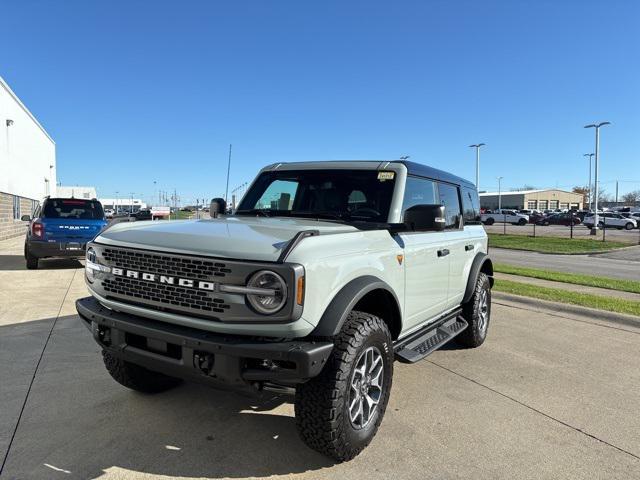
(449, 198)
(419, 191)
(470, 206)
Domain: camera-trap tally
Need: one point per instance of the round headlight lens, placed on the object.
(275, 292)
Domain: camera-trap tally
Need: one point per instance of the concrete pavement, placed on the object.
(624, 264)
(547, 396)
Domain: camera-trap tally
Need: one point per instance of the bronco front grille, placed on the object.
(165, 264)
(167, 294)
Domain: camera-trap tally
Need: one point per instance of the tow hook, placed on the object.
(203, 362)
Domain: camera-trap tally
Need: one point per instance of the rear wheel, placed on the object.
(136, 377)
(522, 222)
(339, 411)
(477, 313)
(32, 261)
(489, 221)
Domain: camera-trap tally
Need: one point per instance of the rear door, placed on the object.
(457, 239)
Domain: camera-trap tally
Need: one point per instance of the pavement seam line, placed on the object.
(35, 372)
(552, 314)
(536, 410)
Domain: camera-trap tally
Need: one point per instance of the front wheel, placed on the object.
(628, 226)
(477, 313)
(339, 411)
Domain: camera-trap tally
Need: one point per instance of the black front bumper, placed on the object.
(227, 360)
(56, 249)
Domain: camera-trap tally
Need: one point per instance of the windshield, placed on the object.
(72, 208)
(345, 195)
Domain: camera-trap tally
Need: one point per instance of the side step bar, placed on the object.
(429, 339)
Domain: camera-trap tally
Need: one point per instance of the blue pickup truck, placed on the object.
(61, 227)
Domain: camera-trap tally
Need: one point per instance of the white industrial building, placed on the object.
(76, 192)
(27, 163)
(123, 204)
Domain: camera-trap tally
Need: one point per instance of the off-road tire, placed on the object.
(32, 261)
(136, 377)
(322, 416)
(474, 335)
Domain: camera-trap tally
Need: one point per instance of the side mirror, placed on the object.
(422, 218)
(25, 218)
(217, 207)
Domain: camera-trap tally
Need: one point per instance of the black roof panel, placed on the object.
(424, 171)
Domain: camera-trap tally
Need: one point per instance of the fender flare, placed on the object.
(479, 262)
(345, 300)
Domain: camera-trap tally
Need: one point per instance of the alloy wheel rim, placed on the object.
(483, 311)
(365, 391)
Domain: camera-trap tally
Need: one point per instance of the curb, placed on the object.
(594, 252)
(620, 318)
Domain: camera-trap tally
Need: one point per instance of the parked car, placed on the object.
(142, 214)
(315, 294)
(61, 227)
(109, 212)
(504, 216)
(560, 219)
(610, 220)
(537, 218)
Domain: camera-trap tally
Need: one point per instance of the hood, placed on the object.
(237, 237)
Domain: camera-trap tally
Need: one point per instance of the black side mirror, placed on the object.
(217, 207)
(25, 218)
(421, 218)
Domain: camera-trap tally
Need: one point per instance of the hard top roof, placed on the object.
(413, 168)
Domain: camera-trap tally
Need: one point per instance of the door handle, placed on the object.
(468, 248)
(443, 253)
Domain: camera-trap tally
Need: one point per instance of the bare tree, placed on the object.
(631, 197)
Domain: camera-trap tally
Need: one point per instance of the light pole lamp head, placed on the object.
(405, 157)
(9, 122)
(597, 125)
(478, 145)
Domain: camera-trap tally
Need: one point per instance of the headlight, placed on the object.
(92, 267)
(269, 292)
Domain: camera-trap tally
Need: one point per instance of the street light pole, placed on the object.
(499, 192)
(590, 188)
(596, 171)
(477, 147)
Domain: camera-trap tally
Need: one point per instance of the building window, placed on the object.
(553, 204)
(543, 204)
(16, 207)
(532, 204)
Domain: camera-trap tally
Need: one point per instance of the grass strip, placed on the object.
(573, 278)
(552, 244)
(563, 296)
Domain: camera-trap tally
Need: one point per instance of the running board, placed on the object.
(429, 339)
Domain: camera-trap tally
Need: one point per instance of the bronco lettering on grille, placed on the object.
(156, 278)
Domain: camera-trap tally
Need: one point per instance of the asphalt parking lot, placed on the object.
(631, 237)
(547, 396)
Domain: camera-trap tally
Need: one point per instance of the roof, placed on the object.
(525, 192)
(413, 168)
(26, 110)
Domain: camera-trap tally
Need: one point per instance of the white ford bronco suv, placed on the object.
(324, 275)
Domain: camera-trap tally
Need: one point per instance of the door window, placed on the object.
(419, 191)
(450, 199)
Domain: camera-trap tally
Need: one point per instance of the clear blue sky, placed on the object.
(137, 91)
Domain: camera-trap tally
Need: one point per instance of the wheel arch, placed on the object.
(368, 294)
(481, 264)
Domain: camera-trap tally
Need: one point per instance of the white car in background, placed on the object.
(610, 219)
(504, 216)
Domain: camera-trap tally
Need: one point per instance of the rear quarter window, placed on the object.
(470, 206)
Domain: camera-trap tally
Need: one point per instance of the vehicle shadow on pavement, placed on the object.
(80, 420)
(17, 262)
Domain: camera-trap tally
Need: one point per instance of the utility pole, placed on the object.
(499, 192)
(616, 193)
(596, 172)
(226, 192)
(590, 188)
(477, 147)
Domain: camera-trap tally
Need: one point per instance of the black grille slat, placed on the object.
(165, 265)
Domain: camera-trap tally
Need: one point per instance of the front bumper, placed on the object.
(56, 249)
(226, 360)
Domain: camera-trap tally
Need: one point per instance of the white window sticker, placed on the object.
(382, 176)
